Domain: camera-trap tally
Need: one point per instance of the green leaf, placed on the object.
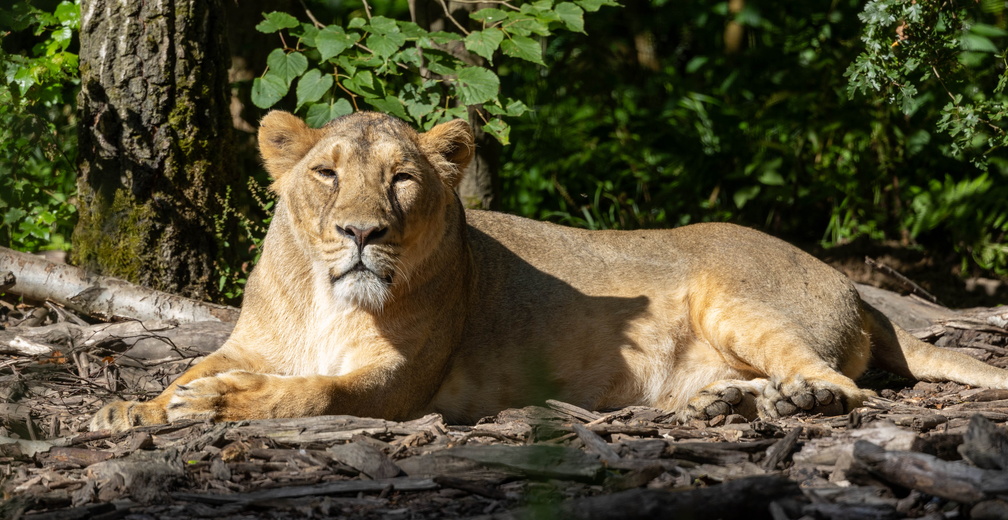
(370, 61)
(361, 83)
(307, 33)
(61, 39)
(13, 215)
(593, 5)
(744, 195)
(321, 113)
(524, 25)
(385, 45)
(68, 13)
(440, 38)
(771, 178)
(441, 63)
(499, 130)
(989, 31)
(24, 79)
(287, 65)
(312, 86)
(348, 66)
(514, 108)
(523, 47)
(357, 23)
(411, 30)
(383, 25)
(418, 109)
(541, 11)
(489, 16)
(268, 90)
(485, 42)
(276, 21)
(477, 85)
(972, 59)
(456, 112)
(333, 40)
(977, 43)
(572, 16)
(409, 56)
(389, 105)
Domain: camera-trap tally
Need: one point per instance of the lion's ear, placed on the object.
(453, 144)
(283, 140)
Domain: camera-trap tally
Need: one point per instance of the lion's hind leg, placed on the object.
(793, 361)
(797, 394)
(729, 396)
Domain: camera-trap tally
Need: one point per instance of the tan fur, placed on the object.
(378, 295)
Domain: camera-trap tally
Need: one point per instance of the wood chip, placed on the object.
(596, 444)
(366, 459)
(330, 488)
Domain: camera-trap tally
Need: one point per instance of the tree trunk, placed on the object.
(155, 134)
(480, 186)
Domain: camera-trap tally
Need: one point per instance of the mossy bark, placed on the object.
(155, 134)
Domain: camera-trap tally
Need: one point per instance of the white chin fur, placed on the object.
(362, 289)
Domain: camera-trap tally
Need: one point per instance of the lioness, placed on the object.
(378, 295)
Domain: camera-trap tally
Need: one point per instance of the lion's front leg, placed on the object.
(239, 395)
(123, 415)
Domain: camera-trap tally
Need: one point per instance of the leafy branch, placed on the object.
(400, 68)
(913, 47)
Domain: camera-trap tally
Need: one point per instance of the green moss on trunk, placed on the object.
(114, 235)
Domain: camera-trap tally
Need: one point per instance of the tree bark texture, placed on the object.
(155, 133)
(480, 187)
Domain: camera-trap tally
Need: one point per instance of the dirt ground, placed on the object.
(921, 450)
(899, 268)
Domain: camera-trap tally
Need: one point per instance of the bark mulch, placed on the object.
(931, 450)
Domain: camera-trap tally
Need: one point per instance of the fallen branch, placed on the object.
(102, 297)
(950, 480)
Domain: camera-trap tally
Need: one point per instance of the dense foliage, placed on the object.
(944, 63)
(817, 122)
(37, 139)
(683, 128)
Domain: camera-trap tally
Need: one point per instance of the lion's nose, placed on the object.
(362, 235)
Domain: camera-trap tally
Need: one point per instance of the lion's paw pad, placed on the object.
(722, 401)
(806, 397)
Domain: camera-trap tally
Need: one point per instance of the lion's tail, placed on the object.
(899, 352)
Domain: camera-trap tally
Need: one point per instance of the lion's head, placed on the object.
(367, 198)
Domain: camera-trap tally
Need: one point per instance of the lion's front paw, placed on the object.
(229, 396)
(123, 415)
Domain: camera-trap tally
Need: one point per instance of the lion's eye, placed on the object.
(402, 176)
(325, 173)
